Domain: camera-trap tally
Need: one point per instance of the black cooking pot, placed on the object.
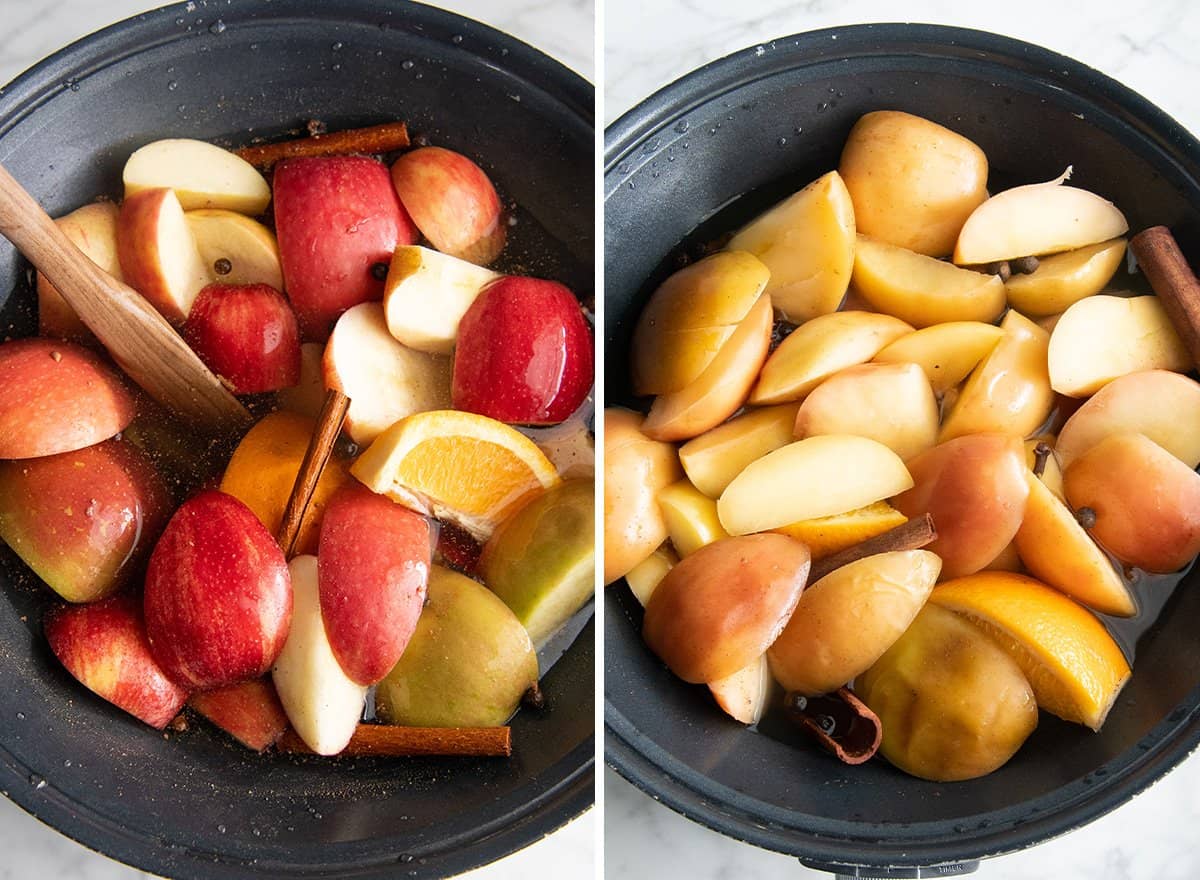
(733, 138)
(195, 804)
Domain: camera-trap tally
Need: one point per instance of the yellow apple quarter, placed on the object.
(921, 290)
(248, 248)
(1104, 337)
(718, 455)
(827, 535)
(691, 517)
(818, 476)
(1036, 219)
(816, 350)
(1009, 392)
(807, 243)
(913, 182)
(946, 352)
(691, 316)
(1061, 280)
(645, 577)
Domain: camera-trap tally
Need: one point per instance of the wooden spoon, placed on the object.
(139, 339)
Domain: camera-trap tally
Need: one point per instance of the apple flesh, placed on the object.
(218, 597)
(202, 175)
(744, 696)
(384, 380)
(58, 397)
(249, 711)
(524, 353)
(322, 703)
(691, 517)
(103, 645)
(452, 202)
(92, 229)
(426, 295)
(236, 249)
(247, 335)
(946, 352)
(336, 217)
(370, 602)
(1062, 280)
(975, 489)
(158, 253)
(84, 521)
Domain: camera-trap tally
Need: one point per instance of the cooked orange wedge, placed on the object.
(458, 466)
(1073, 664)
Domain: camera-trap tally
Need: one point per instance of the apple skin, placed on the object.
(218, 596)
(246, 334)
(57, 397)
(84, 521)
(335, 218)
(249, 711)
(371, 599)
(524, 353)
(453, 203)
(93, 229)
(104, 646)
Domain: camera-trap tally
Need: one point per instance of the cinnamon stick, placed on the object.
(1166, 268)
(912, 535)
(329, 425)
(372, 139)
(841, 723)
(387, 740)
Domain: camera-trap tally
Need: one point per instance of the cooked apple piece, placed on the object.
(690, 316)
(745, 694)
(1103, 337)
(913, 182)
(1010, 390)
(819, 476)
(718, 455)
(946, 352)
(974, 488)
(384, 380)
(845, 621)
(1062, 280)
(1056, 549)
(691, 517)
(636, 468)
(722, 607)
(921, 290)
(426, 295)
(953, 704)
(92, 229)
(723, 386)
(158, 253)
(1008, 559)
(202, 175)
(1037, 219)
(807, 243)
(644, 578)
(307, 396)
(826, 535)
(1146, 501)
(819, 348)
(891, 403)
(1164, 406)
(1051, 474)
(235, 248)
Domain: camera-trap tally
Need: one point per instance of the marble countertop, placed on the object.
(563, 29)
(1147, 44)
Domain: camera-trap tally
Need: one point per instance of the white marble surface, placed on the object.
(31, 30)
(1147, 44)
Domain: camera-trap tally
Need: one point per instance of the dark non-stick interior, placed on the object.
(194, 804)
(729, 141)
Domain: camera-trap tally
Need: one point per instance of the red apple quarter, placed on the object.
(247, 335)
(335, 217)
(524, 353)
(218, 596)
(372, 570)
(249, 711)
(104, 646)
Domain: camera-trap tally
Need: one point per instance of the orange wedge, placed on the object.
(827, 535)
(458, 466)
(1073, 664)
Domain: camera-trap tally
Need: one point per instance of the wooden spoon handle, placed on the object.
(139, 339)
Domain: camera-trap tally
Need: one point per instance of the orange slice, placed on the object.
(1073, 664)
(458, 466)
(827, 535)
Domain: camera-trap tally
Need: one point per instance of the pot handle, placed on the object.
(849, 872)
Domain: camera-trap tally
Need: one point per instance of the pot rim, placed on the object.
(947, 844)
(568, 791)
